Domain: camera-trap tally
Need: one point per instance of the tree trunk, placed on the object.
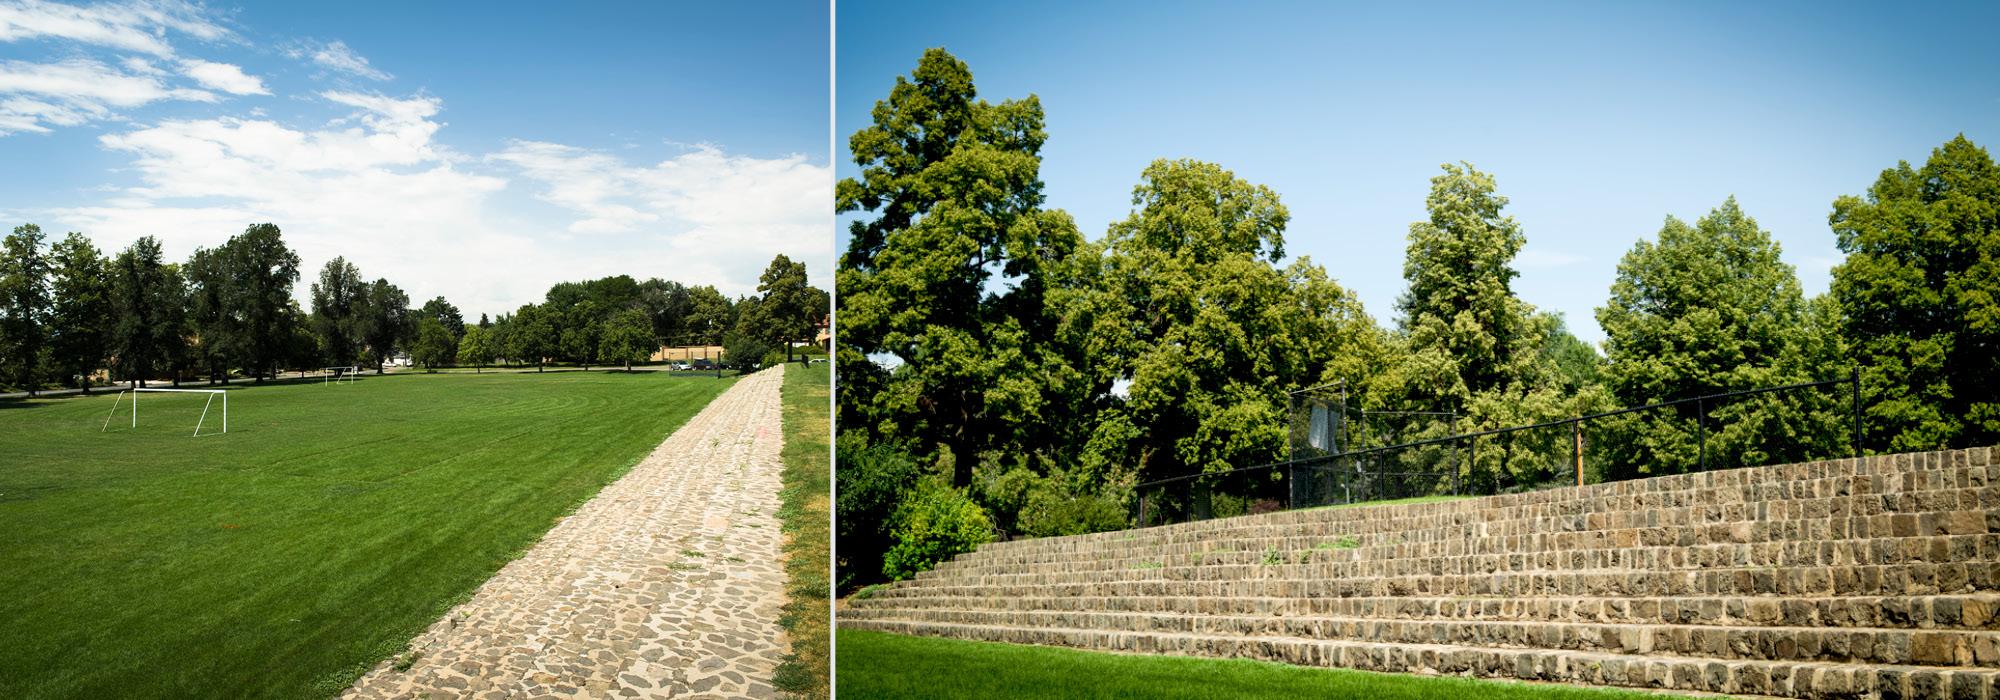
(963, 458)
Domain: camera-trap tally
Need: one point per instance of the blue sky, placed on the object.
(1598, 119)
(480, 153)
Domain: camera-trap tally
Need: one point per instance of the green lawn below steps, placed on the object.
(328, 527)
(882, 666)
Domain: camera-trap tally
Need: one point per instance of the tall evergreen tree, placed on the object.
(1918, 292)
(82, 320)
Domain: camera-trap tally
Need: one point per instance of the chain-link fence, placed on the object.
(1339, 455)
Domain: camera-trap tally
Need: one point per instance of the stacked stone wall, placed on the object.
(1876, 577)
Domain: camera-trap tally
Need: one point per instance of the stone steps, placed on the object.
(1869, 578)
(1292, 580)
(1734, 677)
(1401, 559)
(1773, 498)
(1975, 612)
(1870, 645)
(1865, 515)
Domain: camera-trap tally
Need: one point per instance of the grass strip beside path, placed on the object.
(805, 512)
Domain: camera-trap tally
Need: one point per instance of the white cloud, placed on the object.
(337, 56)
(375, 187)
(226, 77)
(130, 26)
(71, 92)
(732, 213)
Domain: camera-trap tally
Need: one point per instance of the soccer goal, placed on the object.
(334, 375)
(212, 393)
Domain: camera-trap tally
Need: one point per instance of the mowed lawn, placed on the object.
(880, 666)
(327, 528)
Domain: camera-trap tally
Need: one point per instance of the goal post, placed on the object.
(135, 392)
(334, 375)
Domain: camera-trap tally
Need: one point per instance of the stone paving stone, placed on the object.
(668, 584)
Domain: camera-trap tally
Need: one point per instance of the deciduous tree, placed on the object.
(475, 349)
(1920, 290)
(627, 337)
(339, 302)
(1709, 308)
(954, 187)
(24, 307)
(388, 321)
(145, 292)
(82, 319)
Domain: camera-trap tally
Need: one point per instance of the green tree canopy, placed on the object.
(24, 307)
(434, 345)
(532, 336)
(387, 323)
(955, 189)
(627, 338)
(147, 295)
(81, 321)
(263, 270)
(1192, 309)
(339, 303)
(1710, 308)
(437, 309)
(1921, 294)
(476, 348)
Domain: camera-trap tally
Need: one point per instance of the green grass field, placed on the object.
(806, 512)
(878, 666)
(324, 531)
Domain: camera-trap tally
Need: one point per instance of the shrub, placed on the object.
(1051, 512)
(933, 524)
(869, 481)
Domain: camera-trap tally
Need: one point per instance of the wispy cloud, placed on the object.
(343, 59)
(35, 96)
(130, 26)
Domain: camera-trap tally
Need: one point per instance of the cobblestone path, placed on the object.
(667, 584)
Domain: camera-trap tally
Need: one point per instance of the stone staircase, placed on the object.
(1859, 578)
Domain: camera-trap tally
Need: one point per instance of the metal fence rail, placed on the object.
(1527, 456)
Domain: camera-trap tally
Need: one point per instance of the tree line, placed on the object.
(70, 313)
(1002, 373)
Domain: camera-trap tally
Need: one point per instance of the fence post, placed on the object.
(1142, 507)
(1701, 434)
(1577, 451)
(1854, 375)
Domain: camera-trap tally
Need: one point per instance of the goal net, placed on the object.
(206, 407)
(336, 375)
